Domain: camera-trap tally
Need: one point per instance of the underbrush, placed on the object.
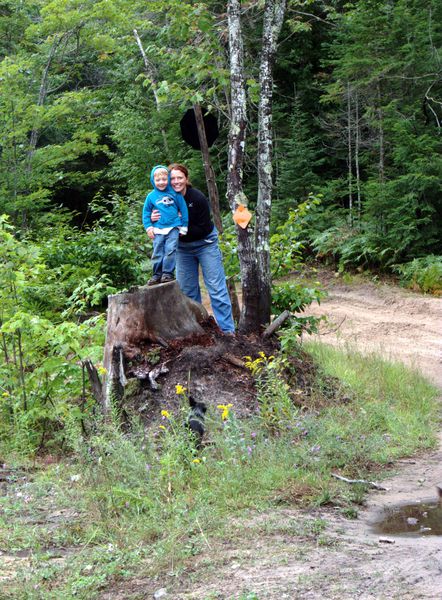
(146, 501)
(423, 274)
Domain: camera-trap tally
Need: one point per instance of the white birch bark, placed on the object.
(237, 140)
(150, 72)
(274, 12)
(349, 156)
(253, 246)
(357, 144)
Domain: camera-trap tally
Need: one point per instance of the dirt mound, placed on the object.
(211, 366)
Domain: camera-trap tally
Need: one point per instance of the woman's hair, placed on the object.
(182, 168)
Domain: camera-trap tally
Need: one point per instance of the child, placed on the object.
(164, 233)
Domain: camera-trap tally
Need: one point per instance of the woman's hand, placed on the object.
(155, 216)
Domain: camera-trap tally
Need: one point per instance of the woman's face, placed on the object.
(178, 181)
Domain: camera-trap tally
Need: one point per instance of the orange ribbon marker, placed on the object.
(242, 216)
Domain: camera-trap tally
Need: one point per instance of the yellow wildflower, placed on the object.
(162, 427)
(180, 390)
(225, 408)
(165, 414)
(196, 460)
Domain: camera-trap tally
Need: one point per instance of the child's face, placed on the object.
(160, 178)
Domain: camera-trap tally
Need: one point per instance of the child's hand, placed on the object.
(150, 232)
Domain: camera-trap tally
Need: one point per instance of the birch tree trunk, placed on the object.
(357, 144)
(237, 141)
(253, 246)
(43, 90)
(381, 152)
(273, 19)
(349, 156)
(35, 131)
(150, 72)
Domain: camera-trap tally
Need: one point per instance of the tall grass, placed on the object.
(147, 500)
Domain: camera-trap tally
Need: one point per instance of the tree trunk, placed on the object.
(273, 19)
(235, 192)
(349, 156)
(150, 72)
(148, 314)
(208, 169)
(253, 247)
(357, 144)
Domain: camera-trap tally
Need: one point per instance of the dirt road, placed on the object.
(394, 322)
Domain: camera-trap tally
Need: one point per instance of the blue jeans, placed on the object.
(206, 253)
(164, 252)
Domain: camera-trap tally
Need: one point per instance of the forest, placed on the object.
(92, 94)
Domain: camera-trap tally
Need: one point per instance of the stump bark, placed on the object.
(153, 314)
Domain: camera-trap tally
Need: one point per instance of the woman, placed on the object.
(199, 247)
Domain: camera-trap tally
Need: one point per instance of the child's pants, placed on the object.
(164, 252)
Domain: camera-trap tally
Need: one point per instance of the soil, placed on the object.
(384, 318)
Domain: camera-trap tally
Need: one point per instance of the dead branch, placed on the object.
(233, 360)
(372, 484)
(276, 324)
(335, 329)
(95, 381)
(150, 72)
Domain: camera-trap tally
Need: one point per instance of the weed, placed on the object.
(422, 274)
(276, 409)
(150, 500)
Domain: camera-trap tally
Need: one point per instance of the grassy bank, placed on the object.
(142, 502)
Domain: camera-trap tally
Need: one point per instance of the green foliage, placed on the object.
(146, 495)
(423, 274)
(276, 409)
(85, 115)
(43, 390)
(109, 254)
(286, 244)
(229, 247)
(294, 297)
(299, 159)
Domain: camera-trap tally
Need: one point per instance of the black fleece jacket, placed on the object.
(200, 221)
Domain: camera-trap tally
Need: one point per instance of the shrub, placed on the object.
(422, 274)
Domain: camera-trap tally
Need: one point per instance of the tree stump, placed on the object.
(153, 314)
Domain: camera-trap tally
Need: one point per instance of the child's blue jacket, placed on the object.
(168, 202)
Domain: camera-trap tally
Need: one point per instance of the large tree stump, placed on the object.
(153, 314)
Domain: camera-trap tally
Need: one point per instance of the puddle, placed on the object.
(416, 520)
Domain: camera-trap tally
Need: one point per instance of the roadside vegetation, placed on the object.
(140, 502)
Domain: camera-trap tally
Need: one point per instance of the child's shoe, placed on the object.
(166, 277)
(154, 280)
